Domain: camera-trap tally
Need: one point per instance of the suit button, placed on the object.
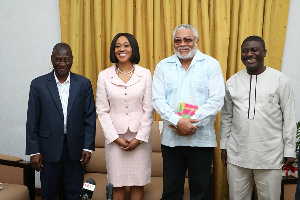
(125, 93)
(126, 113)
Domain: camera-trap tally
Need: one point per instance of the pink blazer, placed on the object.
(122, 106)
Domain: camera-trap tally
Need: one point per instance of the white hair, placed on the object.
(186, 26)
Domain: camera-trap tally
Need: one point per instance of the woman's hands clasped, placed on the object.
(127, 145)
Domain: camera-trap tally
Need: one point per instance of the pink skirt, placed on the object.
(128, 168)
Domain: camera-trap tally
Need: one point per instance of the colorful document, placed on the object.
(186, 110)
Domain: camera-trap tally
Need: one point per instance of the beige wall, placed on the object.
(29, 30)
(291, 54)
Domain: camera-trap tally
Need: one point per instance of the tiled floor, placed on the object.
(289, 192)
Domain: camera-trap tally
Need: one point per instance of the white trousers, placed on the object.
(241, 181)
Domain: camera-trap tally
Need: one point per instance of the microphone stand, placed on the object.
(109, 191)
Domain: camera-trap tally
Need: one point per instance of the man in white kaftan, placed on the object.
(258, 127)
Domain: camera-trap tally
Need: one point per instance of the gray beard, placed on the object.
(190, 55)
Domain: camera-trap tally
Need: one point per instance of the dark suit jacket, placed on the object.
(45, 119)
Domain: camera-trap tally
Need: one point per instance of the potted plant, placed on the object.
(297, 142)
(286, 171)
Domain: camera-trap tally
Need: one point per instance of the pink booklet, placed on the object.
(186, 110)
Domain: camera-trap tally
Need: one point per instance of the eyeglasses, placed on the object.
(187, 40)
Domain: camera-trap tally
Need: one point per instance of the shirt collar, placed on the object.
(57, 81)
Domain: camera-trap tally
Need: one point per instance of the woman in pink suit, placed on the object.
(126, 116)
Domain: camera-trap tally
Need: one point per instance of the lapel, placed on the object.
(72, 92)
(137, 75)
(114, 79)
(51, 84)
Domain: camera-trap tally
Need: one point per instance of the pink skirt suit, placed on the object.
(124, 110)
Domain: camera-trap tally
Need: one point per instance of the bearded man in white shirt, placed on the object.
(258, 126)
(192, 77)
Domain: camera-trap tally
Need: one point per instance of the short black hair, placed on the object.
(135, 57)
(60, 46)
(255, 38)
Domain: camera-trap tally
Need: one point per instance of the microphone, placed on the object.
(88, 189)
(109, 191)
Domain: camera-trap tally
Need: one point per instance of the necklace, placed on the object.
(130, 72)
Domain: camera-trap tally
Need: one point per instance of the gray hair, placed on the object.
(186, 26)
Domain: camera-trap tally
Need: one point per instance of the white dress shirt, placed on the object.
(63, 90)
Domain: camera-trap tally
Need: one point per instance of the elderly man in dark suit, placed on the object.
(60, 129)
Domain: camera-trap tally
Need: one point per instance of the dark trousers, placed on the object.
(176, 161)
(65, 175)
